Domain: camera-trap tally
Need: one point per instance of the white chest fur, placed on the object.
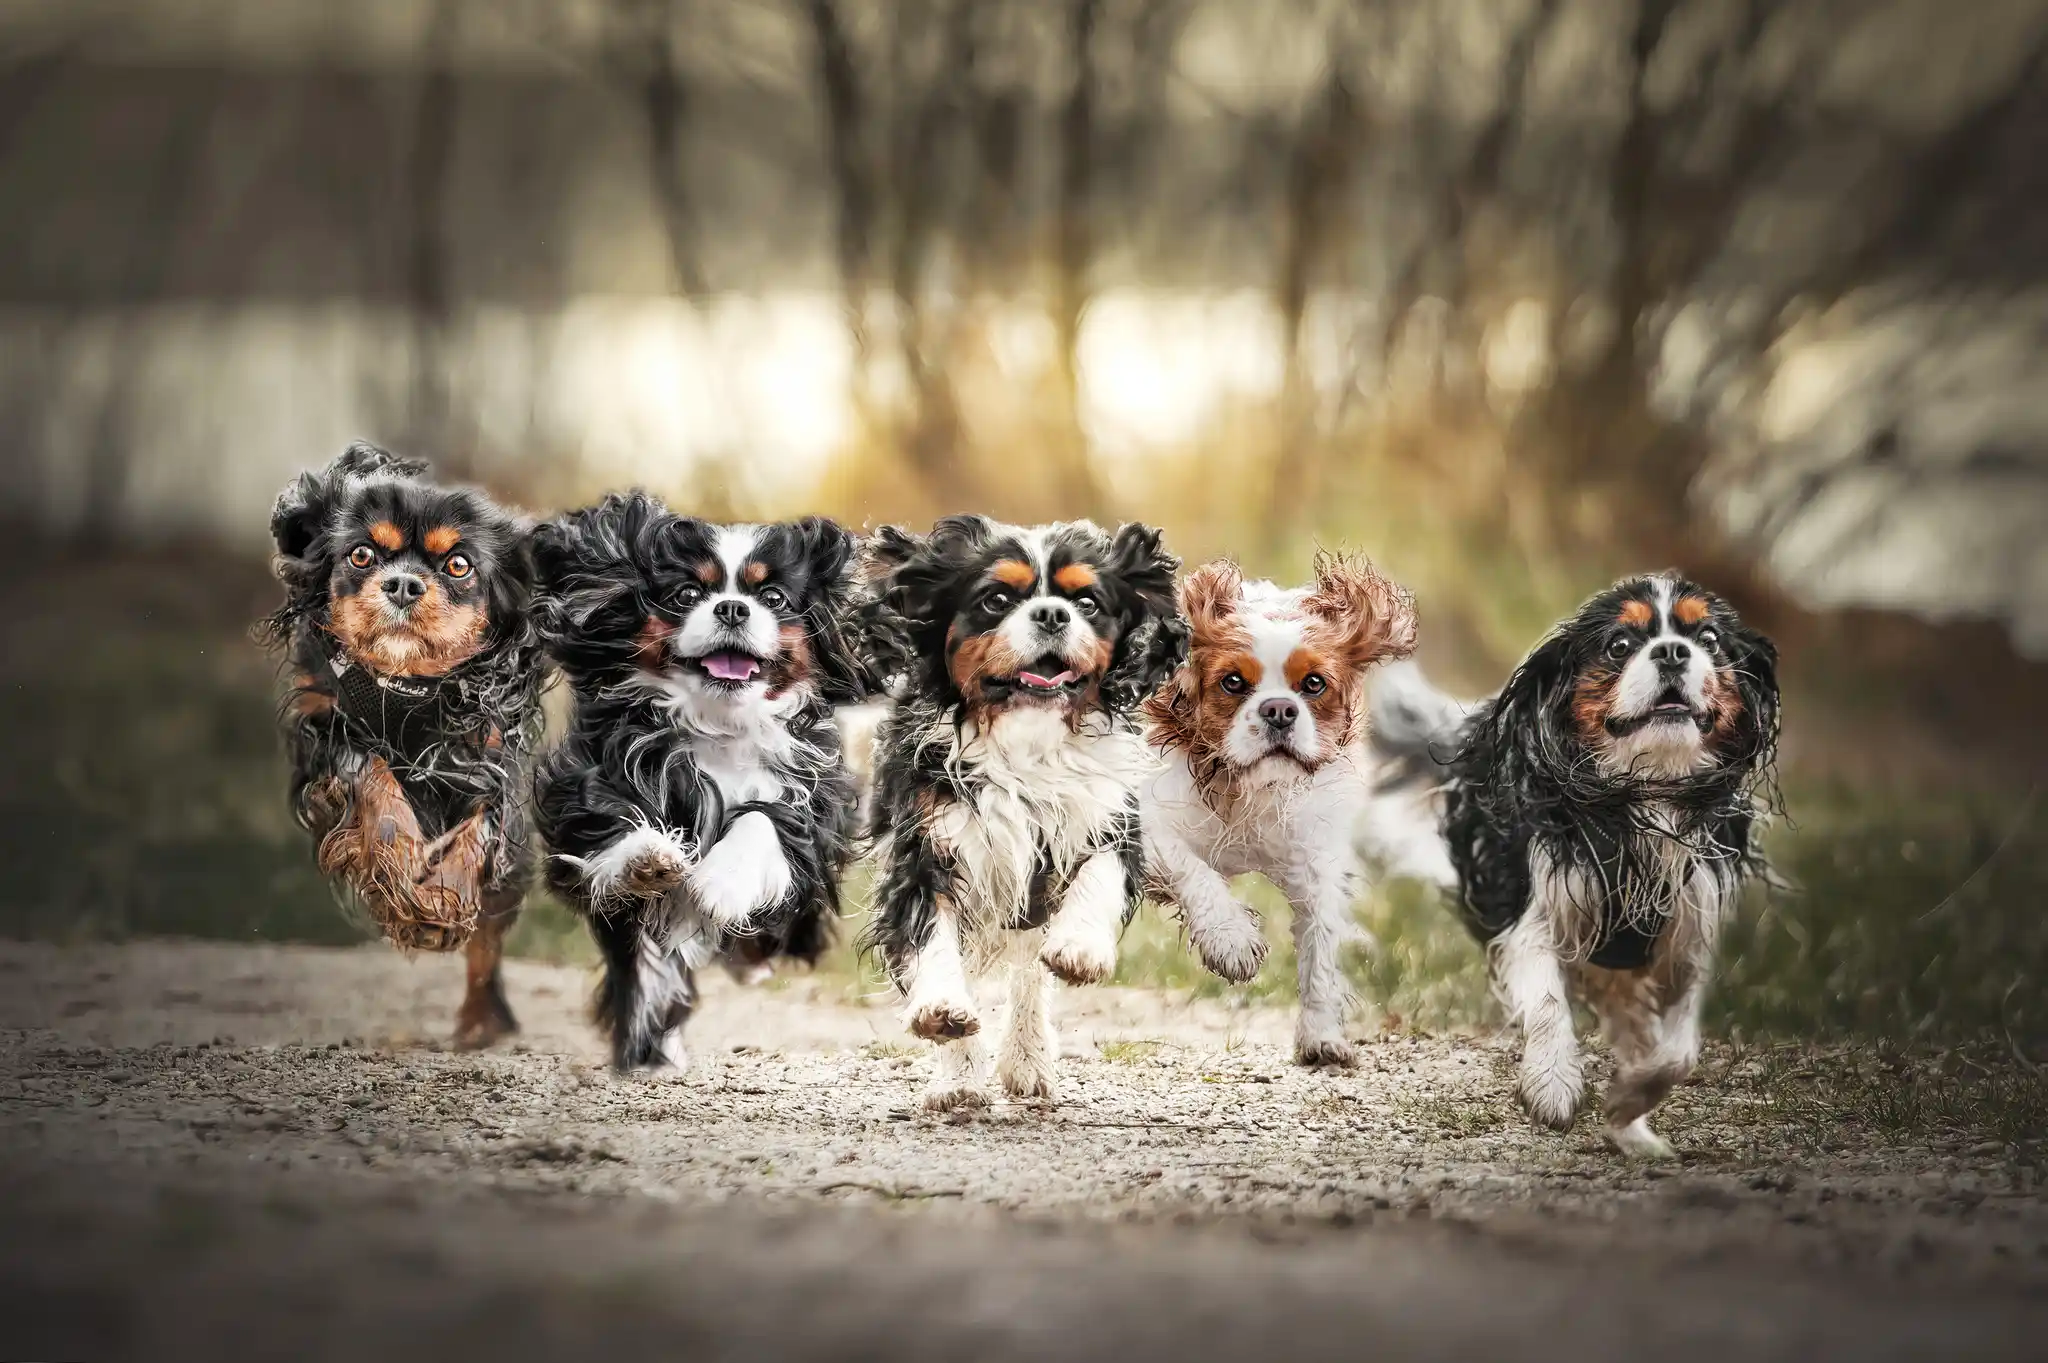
(1267, 828)
(1039, 790)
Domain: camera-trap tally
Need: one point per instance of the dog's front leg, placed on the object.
(1027, 1063)
(1224, 930)
(941, 1008)
(744, 872)
(1321, 886)
(1531, 982)
(1080, 941)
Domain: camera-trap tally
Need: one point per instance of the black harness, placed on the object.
(430, 730)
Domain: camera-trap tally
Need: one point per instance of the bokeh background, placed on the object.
(1518, 295)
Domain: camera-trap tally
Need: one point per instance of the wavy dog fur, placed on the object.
(1601, 814)
(693, 813)
(1006, 776)
(411, 717)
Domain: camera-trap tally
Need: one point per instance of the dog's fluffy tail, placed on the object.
(1415, 732)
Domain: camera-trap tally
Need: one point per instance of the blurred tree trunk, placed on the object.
(1080, 486)
(1318, 183)
(641, 53)
(429, 289)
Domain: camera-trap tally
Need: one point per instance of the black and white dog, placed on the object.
(699, 804)
(1007, 775)
(1601, 814)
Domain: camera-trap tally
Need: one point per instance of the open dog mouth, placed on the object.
(1047, 677)
(1670, 707)
(729, 666)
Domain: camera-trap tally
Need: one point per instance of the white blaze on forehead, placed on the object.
(1274, 640)
(1273, 623)
(736, 544)
(1076, 643)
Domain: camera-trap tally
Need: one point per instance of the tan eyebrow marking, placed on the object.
(1014, 572)
(1244, 664)
(387, 536)
(755, 574)
(1637, 614)
(1303, 661)
(711, 572)
(441, 539)
(1074, 577)
(1689, 610)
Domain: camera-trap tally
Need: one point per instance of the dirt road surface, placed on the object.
(224, 1151)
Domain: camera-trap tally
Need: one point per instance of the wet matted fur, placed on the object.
(414, 705)
(1602, 813)
(1006, 776)
(700, 804)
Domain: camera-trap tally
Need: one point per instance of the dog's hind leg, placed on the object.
(485, 1017)
(1027, 1062)
(1320, 894)
(647, 995)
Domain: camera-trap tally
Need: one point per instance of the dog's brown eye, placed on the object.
(1620, 648)
(1235, 684)
(1708, 637)
(1313, 684)
(1087, 605)
(457, 566)
(774, 598)
(362, 556)
(997, 600)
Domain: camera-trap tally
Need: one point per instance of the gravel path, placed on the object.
(1407, 1194)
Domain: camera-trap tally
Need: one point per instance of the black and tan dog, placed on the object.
(414, 704)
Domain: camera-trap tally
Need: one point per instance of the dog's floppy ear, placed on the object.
(845, 670)
(930, 565)
(1156, 642)
(1209, 596)
(1142, 564)
(299, 518)
(886, 550)
(1529, 724)
(1753, 658)
(1375, 615)
(828, 549)
(591, 568)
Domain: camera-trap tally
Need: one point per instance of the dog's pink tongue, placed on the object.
(1044, 683)
(731, 666)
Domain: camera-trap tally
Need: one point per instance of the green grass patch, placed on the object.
(1127, 1052)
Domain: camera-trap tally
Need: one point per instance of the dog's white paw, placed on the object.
(1232, 947)
(1324, 1048)
(942, 1020)
(1079, 956)
(742, 874)
(953, 1095)
(1550, 1087)
(1637, 1141)
(1028, 1077)
(653, 870)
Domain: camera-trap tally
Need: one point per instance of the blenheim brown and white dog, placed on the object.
(1263, 731)
(1007, 772)
(1602, 813)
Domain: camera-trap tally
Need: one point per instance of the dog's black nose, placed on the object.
(731, 612)
(1049, 616)
(404, 588)
(1280, 712)
(1671, 657)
